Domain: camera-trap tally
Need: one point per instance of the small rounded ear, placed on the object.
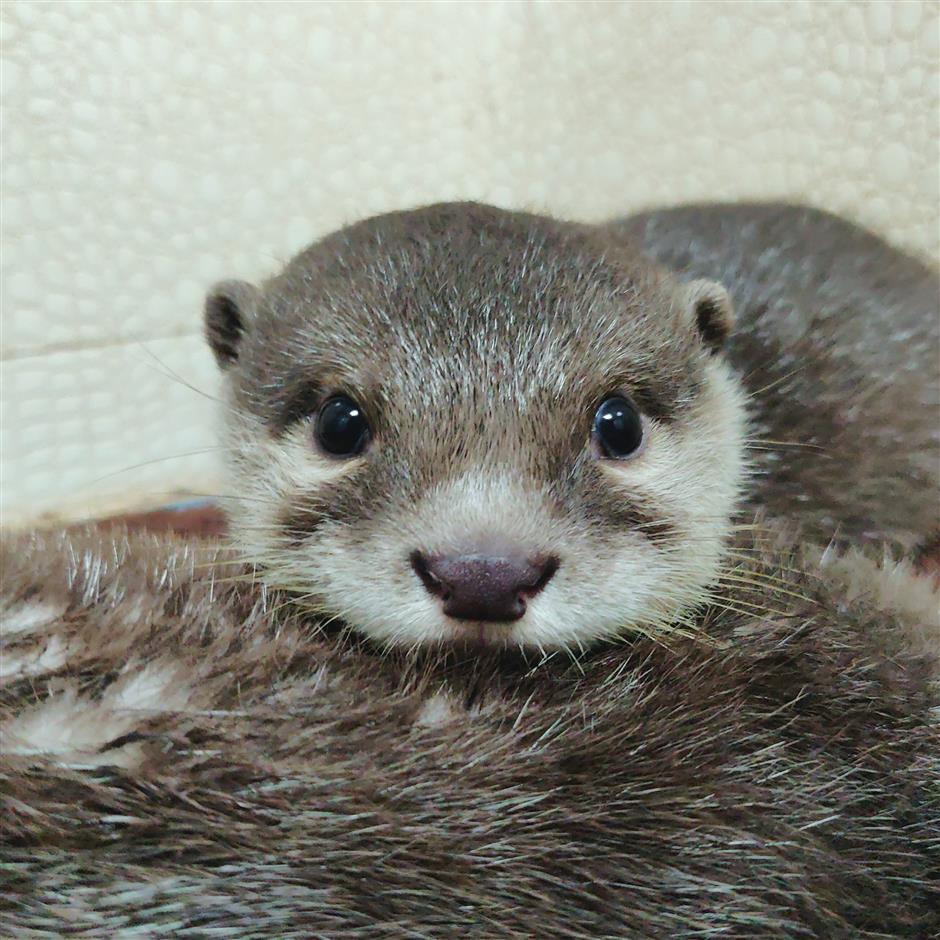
(230, 308)
(711, 311)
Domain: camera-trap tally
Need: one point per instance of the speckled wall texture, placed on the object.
(151, 148)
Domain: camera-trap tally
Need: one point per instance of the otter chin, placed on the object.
(464, 425)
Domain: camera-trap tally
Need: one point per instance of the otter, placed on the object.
(463, 424)
(183, 754)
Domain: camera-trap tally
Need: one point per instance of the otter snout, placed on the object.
(483, 587)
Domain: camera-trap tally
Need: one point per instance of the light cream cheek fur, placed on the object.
(696, 470)
(375, 588)
(263, 475)
(381, 596)
(695, 474)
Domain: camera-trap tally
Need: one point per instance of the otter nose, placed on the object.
(483, 587)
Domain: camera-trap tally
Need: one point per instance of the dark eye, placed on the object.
(618, 428)
(342, 429)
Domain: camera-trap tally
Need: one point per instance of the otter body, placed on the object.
(184, 754)
(837, 344)
(461, 423)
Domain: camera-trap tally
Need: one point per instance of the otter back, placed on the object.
(838, 344)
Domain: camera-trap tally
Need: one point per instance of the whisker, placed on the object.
(148, 463)
(232, 496)
(721, 600)
(776, 382)
(171, 374)
(761, 573)
(757, 583)
(735, 610)
(767, 440)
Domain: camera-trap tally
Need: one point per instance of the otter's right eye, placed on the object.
(342, 429)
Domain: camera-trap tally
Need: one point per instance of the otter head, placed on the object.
(460, 423)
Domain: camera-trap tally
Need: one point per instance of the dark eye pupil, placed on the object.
(342, 429)
(618, 427)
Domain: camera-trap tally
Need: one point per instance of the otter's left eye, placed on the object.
(342, 429)
(618, 428)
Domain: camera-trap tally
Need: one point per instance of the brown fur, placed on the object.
(837, 342)
(216, 765)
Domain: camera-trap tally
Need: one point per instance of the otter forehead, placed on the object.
(469, 308)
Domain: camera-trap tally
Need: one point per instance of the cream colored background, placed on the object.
(151, 148)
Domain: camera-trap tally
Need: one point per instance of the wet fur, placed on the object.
(184, 751)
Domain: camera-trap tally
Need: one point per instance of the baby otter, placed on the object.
(461, 423)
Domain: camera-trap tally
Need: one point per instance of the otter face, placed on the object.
(465, 424)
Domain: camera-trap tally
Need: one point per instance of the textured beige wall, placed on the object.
(151, 148)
